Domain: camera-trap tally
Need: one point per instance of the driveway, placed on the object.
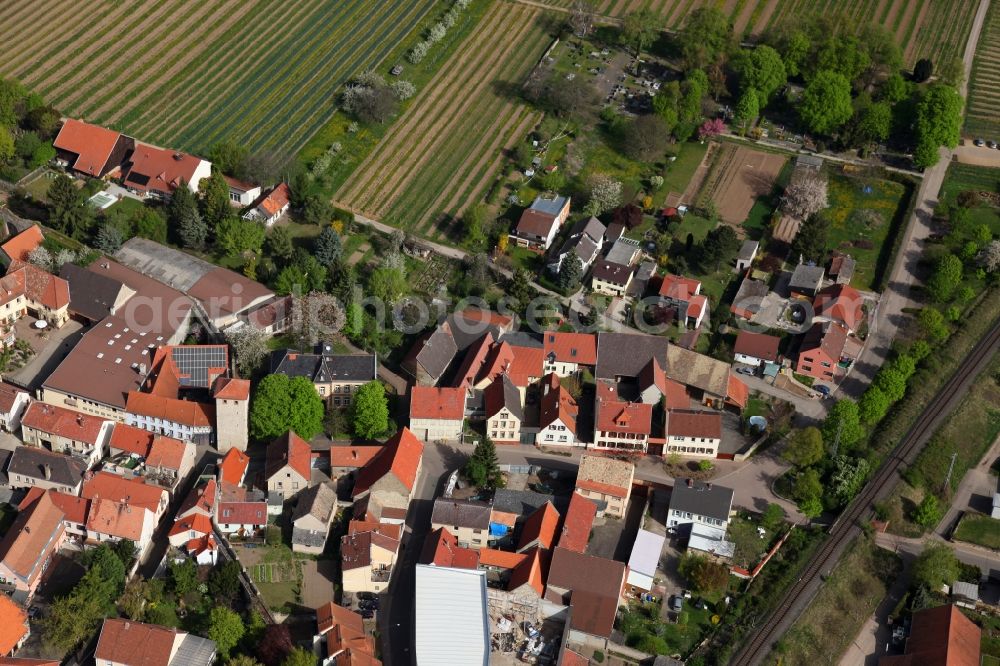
(974, 493)
(808, 411)
(52, 350)
(967, 153)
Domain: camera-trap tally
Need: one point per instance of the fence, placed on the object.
(520, 469)
(740, 572)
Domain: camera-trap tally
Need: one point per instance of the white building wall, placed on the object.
(430, 430)
(694, 447)
(556, 434)
(748, 360)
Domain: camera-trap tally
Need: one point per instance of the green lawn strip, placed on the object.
(844, 603)
(205, 71)
(57, 52)
(184, 31)
(678, 173)
(310, 119)
(323, 80)
(243, 105)
(104, 42)
(645, 631)
(980, 530)
(248, 77)
(435, 96)
(13, 24)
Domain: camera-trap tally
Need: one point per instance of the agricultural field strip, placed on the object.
(159, 44)
(55, 40)
(53, 82)
(403, 130)
(441, 87)
(378, 50)
(123, 94)
(450, 128)
(983, 95)
(235, 105)
(19, 15)
(148, 114)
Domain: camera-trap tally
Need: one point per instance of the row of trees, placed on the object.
(27, 127)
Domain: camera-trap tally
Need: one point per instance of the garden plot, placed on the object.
(736, 178)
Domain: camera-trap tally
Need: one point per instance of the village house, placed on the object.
(557, 415)
(342, 632)
(241, 193)
(821, 351)
(749, 297)
(700, 503)
(806, 281)
(124, 642)
(74, 511)
(441, 549)
(437, 414)
(693, 433)
(503, 411)
(682, 297)
(841, 304)
(29, 290)
(593, 587)
(66, 431)
(91, 150)
(469, 521)
(28, 546)
(756, 349)
(194, 535)
(585, 241)
(540, 222)
(14, 628)
(940, 636)
(289, 466)
(434, 353)
(13, 402)
(133, 492)
(93, 296)
(611, 279)
(155, 172)
(336, 376)
(269, 207)
(345, 461)
(568, 353)
(540, 530)
(201, 500)
(233, 467)
(606, 481)
(312, 517)
(169, 461)
(391, 475)
(620, 424)
(241, 512)
(368, 553)
(574, 533)
(20, 246)
(31, 466)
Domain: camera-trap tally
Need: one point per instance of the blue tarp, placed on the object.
(498, 529)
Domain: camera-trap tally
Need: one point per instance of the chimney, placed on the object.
(47, 469)
(690, 483)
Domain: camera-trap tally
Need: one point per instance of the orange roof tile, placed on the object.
(175, 410)
(472, 363)
(840, 303)
(500, 559)
(20, 246)
(557, 403)
(579, 519)
(738, 392)
(201, 498)
(229, 388)
(132, 439)
(63, 422)
(571, 347)
(532, 570)
(233, 466)
(13, 624)
(36, 284)
(694, 423)
(23, 548)
(291, 450)
(679, 288)
(166, 452)
(441, 549)
(431, 402)
(108, 486)
(275, 200)
(401, 456)
(90, 143)
(331, 615)
(74, 508)
(116, 519)
(541, 526)
(124, 641)
(497, 362)
(614, 415)
(196, 522)
(527, 365)
(160, 170)
(570, 658)
(352, 456)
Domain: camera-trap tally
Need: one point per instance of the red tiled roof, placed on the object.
(615, 415)
(91, 144)
(570, 658)
(74, 508)
(675, 393)
(841, 303)
(486, 315)
(557, 403)
(201, 498)
(696, 308)
(175, 410)
(533, 570)
(441, 549)
(391, 530)
(13, 624)
(694, 423)
(166, 452)
(196, 522)
(36, 284)
(331, 615)
(63, 422)
(20, 246)
(940, 636)
(679, 288)
(472, 363)
(738, 393)
(579, 519)
(499, 360)
(23, 547)
(160, 170)
(527, 365)
(541, 526)
(352, 456)
(571, 347)
(430, 402)
(401, 456)
(124, 641)
(757, 345)
(291, 450)
(536, 223)
(500, 559)
(105, 485)
(275, 200)
(8, 394)
(200, 545)
(229, 388)
(233, 466)
(242, 513)
(239, 185)
(132, 439)
(116, 519)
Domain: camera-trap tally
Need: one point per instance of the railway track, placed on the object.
(846, 526)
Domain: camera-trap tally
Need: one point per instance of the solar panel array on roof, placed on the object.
(195, 362)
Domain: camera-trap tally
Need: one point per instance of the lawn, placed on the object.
(850, 595)
(644, 630)
(965, 177)
(863, 215)
(980, 530)
(750, 546)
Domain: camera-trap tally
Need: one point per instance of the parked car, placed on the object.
(745, 371)
(979, 142)
(823, 390)
(676, 604)
(991, 143)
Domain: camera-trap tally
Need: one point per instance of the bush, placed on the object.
(598, 656)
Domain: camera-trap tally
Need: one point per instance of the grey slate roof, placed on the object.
(521, 339)
(30, 461)
(623, 251)
(626, 354)
(91, 294)
(750, 294)
(748, 250)
(319, 501)
(702, 499)
(523, 502)
(806, 277)
(309, 538)
(548, 206)
(461, 513)
(324, 368)
(503, 393)
(437, 352)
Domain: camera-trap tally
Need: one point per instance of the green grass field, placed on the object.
(979, 529)
(187, 75)
(981, 117)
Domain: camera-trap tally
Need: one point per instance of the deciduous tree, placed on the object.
(938, 123)
(281, 404)
(843, 417)
(805, 447)
(873, 405)
(933, 324)
(225, 627)
(299, 657)
(706, 37)
(703, 574)
(229, 157)
(370, 411)
(250, 347)
(236, 236)
(946, 278)
(747, 110)
(278, 244)
(646, 137)
(639, 29)
(936, 566)
(581, 17)
(826, 102)
(761, 69)
(927, 514)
